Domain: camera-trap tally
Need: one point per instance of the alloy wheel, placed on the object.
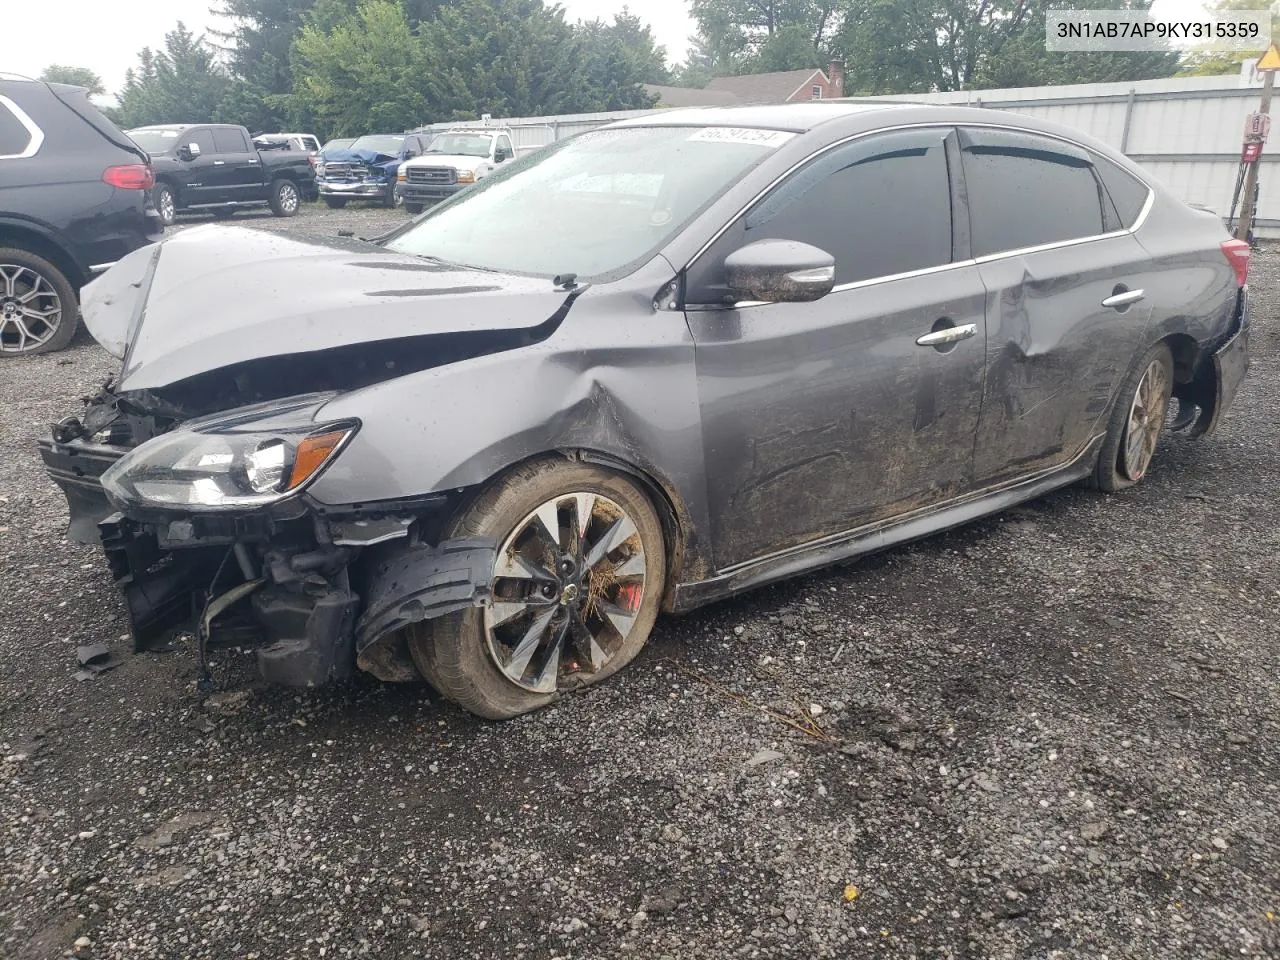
(30, 309)
(567, 587)
(289, 198)
(164, 202)
(1146, 420)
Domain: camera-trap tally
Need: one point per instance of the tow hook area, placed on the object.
(413, 582)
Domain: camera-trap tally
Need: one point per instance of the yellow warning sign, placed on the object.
(1270, 60)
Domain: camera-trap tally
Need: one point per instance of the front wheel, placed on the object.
(393, 198)
(335, 203)
(576, 585)
(284, 198)
(413, 209)
(1136, 422)
(166, 203)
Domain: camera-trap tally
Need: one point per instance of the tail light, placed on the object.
(130, 176)
(1237, 254)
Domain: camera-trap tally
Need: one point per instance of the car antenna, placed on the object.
(566, 281)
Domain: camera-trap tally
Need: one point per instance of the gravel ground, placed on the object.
(1050, 734)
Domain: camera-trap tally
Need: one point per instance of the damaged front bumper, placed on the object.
(316, 592)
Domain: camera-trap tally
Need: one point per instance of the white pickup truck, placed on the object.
(454, 159)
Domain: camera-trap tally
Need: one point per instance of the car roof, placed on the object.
(796, 117)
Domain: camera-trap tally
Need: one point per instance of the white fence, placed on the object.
(1185, 131)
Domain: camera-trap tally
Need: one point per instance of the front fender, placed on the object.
(616, 378)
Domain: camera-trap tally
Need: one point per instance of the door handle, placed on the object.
(940, 338)
(1124, 299)
(218, 163)
(252, 162)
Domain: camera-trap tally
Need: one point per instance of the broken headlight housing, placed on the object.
(249, 458)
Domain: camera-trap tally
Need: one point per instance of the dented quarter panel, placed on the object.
(1055, 355)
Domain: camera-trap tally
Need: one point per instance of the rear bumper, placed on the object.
(1224, 370)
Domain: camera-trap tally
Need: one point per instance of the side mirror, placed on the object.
(780, 271)
(189, 152)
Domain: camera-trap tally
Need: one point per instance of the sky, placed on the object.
(106, 37)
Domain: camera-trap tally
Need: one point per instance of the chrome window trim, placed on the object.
(33, 131)
(973, 261)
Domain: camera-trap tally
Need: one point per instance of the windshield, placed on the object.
(156, 139)
(338, 144)
(462, 144)
(388, 145)
(592, 206)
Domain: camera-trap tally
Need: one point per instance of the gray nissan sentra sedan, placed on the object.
(638, 371)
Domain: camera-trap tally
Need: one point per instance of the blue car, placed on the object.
(366, 170)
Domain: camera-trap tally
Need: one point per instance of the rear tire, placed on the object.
(284, 198)
(595, 615)
(47, 318)
(1136, 422)
(335, 203)
(166, 203)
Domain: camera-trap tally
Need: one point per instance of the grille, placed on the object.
(338, 171)
(431, 175)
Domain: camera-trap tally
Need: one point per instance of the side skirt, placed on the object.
(883, 534)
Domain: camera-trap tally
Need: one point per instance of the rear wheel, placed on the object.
(1136, 422)
(335, 203)
(38, 308)
(166, 204)
(576, 584)
(284, 198)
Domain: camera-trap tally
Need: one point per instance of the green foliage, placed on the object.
(75, 76)
(616, 58)
(365, 74)
(184, 83)
(754, 36)
(1212, 64)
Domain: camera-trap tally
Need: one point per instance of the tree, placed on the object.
(508, 58)
(617, 59)
(184, 83)
(737, 31)
(75, 76)
(701, 64)
(366, 74)
(913, 46)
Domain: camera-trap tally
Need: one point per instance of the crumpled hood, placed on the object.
(370, 158)
(215, 296)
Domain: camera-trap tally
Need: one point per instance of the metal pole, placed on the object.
(1128, 120)
(1248, 207)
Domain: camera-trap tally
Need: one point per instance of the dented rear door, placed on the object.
(1049, 258)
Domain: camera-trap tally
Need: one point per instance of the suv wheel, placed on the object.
(38, 309)
(165, 203)
(335, 203)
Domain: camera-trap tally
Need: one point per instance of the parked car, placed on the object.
(366, 170)
(658, 364)
(214, 167)
(452, 161)
(73, 200)
(302, 142)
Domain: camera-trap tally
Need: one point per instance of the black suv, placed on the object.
(74, 198)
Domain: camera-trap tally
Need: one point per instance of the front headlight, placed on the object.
(319, 168)
(466, 176)
(252, 458)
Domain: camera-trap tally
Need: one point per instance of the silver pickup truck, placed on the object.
(453, 160)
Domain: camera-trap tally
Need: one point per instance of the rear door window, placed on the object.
(229, 140)
(1127, 192)
(203, 139)
(1027, 191)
